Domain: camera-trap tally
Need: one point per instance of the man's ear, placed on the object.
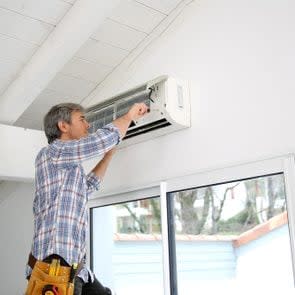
(63, 126)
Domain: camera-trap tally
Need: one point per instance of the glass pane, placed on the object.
(233, 235)
(127, 246)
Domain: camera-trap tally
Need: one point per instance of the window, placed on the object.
(232, 235)
(127, 246)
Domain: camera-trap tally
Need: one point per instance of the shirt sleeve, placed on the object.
(93, 182)
(95, 144)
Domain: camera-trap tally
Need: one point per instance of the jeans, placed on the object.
(90, 288)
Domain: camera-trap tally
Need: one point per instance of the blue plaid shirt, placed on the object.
(61, 195)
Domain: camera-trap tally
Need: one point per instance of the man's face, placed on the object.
(79, 126)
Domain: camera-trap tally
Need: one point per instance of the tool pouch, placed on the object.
(41, 283)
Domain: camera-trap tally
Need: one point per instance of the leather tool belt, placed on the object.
(51, 278)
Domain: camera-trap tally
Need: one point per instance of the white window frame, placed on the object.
(284, 164)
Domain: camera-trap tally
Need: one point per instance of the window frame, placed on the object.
(284, 164)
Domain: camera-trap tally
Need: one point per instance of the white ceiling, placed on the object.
(26, 24)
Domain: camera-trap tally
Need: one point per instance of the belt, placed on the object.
(32, 260)
(65, 268)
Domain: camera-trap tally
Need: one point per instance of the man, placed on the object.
(61, 194)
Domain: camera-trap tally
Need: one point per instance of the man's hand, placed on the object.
(137, 111)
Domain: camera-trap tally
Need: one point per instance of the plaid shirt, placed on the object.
(61, 195)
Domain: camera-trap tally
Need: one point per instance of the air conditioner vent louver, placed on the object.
(167, 99)
(147, 128)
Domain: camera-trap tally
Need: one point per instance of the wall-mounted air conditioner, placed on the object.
(167, 99)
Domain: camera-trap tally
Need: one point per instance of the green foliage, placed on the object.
(238, 223)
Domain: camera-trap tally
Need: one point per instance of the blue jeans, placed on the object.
(94, 288)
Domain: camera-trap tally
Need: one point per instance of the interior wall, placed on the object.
(239, 59)
(18, 150)
(16, 228)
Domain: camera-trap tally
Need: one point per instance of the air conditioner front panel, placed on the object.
(122, 107)
(99, 117)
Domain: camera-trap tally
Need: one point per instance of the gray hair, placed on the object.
(60, 112)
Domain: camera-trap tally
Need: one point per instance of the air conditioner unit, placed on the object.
(167, 99)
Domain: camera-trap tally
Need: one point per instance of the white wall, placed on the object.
(239, 58)
(266, 262)
(18, 150)
(16, 228)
